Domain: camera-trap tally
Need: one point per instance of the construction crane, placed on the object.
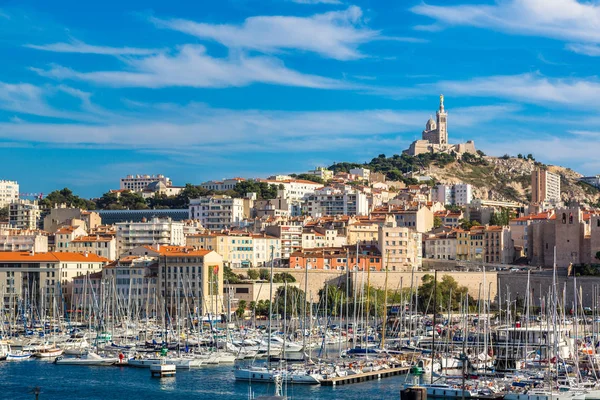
(37, 196)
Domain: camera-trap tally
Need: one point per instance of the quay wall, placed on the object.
(542, 283)
(318, 278)
(497, 282)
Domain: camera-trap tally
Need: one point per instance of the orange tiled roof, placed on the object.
(93, 239)
(50, 257)
(178, 251)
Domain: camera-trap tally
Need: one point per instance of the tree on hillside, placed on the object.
(308, 177)
(263, 190)
(253, 274)
(467, 225)
(191, 192)
(66, 196)
(122, 201)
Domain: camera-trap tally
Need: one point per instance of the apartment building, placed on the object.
(459, 194)
(499, 246)
(103, 246)
(401, 247)
(338, 258)
(135, 279)
(49, 273)
(161, 231)
(441, 246)
(294, 189)
(418, 217)
(361, 173)
(137, 183)
(485, 244)
(240, 249)
(219, 211)
(63, 215)
(24, 214)
(321, 172)
(314, 237)
(449, 218)
(545, 187)
(9, 192)
(65, 235)
(220, 186)
(290, 237)
(334, 201)
(188, 279)
(362, 232)
(23, 240)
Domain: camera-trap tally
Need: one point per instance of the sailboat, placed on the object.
(268, 374)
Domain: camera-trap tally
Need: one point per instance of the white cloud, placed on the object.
(196, 127)
(317, 1)
(28, 99)
(192, 67)
(335, 34)
(83, 48)
(568, 20)
(585, 49)
(530, 88)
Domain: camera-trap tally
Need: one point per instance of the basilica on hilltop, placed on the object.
(435, 137)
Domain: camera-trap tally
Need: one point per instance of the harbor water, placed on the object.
(17, 379)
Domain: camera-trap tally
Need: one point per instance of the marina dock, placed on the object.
(365, 376)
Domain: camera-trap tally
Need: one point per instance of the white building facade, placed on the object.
(459, 194)
(9, 192)
(24, 214)
(161, 231)
(332, 201)
(137, 183)
(217, 212)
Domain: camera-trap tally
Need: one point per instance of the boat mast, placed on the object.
(270, 309)
(385, 290)
(434, 322)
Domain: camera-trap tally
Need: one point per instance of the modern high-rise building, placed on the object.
(9, 192)
(545, 187)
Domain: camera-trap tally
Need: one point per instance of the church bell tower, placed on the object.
(442, 123)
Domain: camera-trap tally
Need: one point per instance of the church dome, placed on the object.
(430, 126)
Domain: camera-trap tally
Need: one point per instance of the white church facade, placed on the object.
(435, 137)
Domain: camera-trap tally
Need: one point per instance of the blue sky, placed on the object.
(90, 92)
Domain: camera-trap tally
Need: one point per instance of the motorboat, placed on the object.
(18, 356)
(262, 374)
(91, 359)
